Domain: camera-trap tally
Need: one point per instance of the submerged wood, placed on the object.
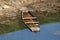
(30, 21)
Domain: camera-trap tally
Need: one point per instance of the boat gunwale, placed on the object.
(26, 24)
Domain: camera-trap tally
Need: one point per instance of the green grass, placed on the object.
(51, 17)
(12, 26)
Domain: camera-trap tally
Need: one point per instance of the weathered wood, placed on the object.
(31, 22)
(30, 18)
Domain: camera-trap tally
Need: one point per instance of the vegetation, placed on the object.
(50, 17)
(16, 24)
(13, 25)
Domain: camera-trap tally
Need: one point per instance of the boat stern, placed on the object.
(35, 29)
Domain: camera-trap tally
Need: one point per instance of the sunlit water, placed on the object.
(49, 31)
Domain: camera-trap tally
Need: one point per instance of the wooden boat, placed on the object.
(30, 21)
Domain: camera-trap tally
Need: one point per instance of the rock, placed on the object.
(5, 6)
(11, 8)
(0, 8)
(3, 22)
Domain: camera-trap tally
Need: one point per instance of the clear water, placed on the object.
(49, 31)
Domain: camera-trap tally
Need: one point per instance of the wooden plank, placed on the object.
(31, 22)
(30, 18)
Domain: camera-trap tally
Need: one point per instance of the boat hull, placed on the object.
(30, 21)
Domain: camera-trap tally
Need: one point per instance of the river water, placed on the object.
(50, 31)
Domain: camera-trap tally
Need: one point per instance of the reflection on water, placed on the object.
(48, 32)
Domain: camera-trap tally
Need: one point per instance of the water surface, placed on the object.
(49, 31)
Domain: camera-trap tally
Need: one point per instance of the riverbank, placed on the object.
(16, 24)
(46, 11)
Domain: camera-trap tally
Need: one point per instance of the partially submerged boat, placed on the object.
(30, 21)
